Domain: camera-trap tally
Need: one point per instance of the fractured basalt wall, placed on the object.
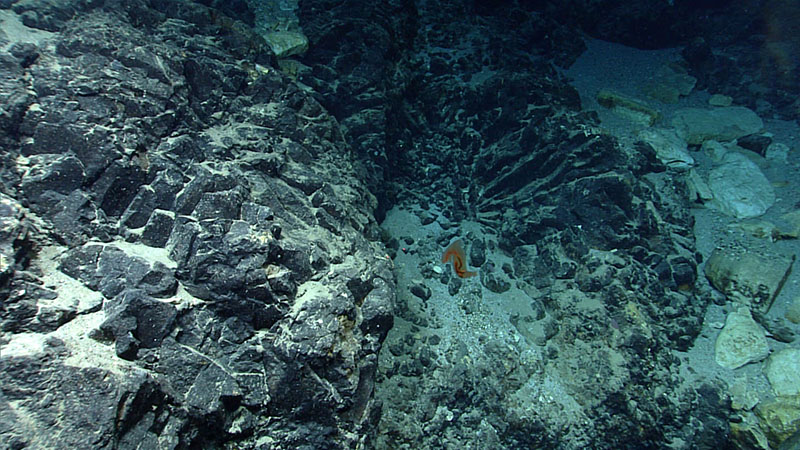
(188, 255)
(478, 125)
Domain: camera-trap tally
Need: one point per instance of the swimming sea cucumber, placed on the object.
(456, 252)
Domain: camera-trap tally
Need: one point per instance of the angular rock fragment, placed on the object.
(741, 342)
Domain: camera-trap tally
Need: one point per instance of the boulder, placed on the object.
(748, 434)
(697, 125)
(783, 371)
(720, 100)
(739, 187)
(632, 109)
(793, 312)
(697, 187)
(792, 220)
(780, 420)
(741, 342)
(287, 43)
(743, 395)
(670, 148)
(670, 83)
(748, 278)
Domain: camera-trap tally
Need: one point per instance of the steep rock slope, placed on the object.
(187, 257)
(584, 248)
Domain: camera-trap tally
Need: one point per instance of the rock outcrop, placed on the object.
(596, 242)
(188, 257)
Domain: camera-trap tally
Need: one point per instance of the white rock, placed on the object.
(748, 277)
(720, 100)
(670, 148)
(743, 397)
(739, 187)
(287, 43)
(792, 313)
(697, 187)
(714, 150)
(783, 371)
(741, 342)
(777, 152)
(696, 125)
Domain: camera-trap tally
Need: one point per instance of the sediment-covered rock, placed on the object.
(587, 281)
(187, 255)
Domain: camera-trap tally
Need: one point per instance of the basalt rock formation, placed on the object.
(188, 255)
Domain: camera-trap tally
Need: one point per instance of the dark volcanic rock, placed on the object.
(480, 126)
(110, 271)
(135, 320)
(188, 242)
(97, 408)
(198, 215)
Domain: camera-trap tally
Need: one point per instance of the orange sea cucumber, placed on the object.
(456, 252)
